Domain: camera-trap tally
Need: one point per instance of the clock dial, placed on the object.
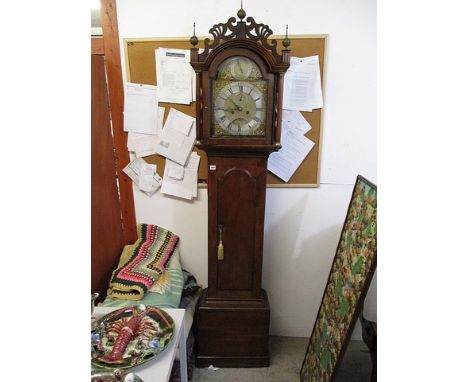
(239, 99)
(239, 109)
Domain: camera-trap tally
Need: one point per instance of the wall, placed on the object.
(302, 226)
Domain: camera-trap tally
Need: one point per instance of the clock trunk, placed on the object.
(234, 315)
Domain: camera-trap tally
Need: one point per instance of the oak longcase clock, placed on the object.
(238, 108)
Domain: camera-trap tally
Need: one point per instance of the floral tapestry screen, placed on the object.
(350, 275)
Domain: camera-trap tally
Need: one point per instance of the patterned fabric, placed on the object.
(173, 286)
(172, 278)
(149, 256)
(352, 269)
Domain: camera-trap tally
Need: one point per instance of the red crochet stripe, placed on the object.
(131, 274)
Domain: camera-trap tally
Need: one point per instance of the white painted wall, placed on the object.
(302, 226)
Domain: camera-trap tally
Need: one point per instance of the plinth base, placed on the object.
(232, 333)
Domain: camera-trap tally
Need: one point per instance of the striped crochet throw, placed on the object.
(152, 251)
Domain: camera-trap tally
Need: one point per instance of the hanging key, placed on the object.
(220, 244)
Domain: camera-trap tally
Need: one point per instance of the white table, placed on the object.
(159, 368)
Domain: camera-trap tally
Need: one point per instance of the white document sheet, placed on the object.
(142, 144)
(176, 171)
(174, 144)
(145, 181)
(160, 124)
(179, 121)
(286, 161)
(302, 86)
(186, 187)
(141, 108)
(174, 75)
(145, 144)
(139, 171)
(294, 120)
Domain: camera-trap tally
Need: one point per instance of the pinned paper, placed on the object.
(145, 144)
(140, 108)
(186, 187)
(295, 146)
(145, 181)
(176, 171)
(179, 121)
(173, 143)
(302, 84)
(138, 170)
(174, 75)
(294, 120)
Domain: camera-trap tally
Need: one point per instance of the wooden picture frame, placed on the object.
(349, 279)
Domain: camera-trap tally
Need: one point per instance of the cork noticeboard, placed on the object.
(141, 68)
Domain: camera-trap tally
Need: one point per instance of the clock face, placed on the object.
(239, 99)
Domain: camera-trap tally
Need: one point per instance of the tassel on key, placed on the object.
(220, 245)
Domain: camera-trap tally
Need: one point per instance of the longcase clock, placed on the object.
(238, 109)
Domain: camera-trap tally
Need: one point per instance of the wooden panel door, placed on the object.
(107, 238)
(237, 207)
(237, 191)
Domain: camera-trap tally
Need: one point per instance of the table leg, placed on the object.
(183, 354)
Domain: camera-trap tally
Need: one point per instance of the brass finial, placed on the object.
(286, 41)
(194, 38)
(241, 13)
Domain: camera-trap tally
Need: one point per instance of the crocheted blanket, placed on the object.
(152, 251)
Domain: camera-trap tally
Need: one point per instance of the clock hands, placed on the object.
(238, 108)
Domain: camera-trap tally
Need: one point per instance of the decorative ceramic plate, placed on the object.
(130, 336)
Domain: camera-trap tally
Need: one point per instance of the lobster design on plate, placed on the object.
(128, 329)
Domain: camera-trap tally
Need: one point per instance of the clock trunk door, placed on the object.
(237, 190)
(237, 221)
